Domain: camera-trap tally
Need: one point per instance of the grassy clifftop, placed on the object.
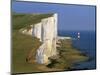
(24, 20)
(24, 46)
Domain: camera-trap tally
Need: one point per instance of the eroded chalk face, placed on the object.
(42, 54)
(48, 38)
(37, 30)
(46, 31)
(27, 31)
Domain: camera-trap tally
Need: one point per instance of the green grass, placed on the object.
(24, 20)
(21, 46)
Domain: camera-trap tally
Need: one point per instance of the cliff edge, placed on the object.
(46, 32)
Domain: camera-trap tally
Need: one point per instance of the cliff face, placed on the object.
(46, 31)
(47, 34)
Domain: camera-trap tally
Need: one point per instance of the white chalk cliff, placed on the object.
(46, 31)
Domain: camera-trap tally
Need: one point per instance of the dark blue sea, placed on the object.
(86, 44)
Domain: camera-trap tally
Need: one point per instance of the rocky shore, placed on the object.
(67, 57)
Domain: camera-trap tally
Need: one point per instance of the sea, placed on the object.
(86, 44)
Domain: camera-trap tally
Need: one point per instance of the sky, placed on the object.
(70, 17)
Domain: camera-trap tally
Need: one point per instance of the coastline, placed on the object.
(66, 58)
(68, 55)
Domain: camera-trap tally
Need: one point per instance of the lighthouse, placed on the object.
(78, 35)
